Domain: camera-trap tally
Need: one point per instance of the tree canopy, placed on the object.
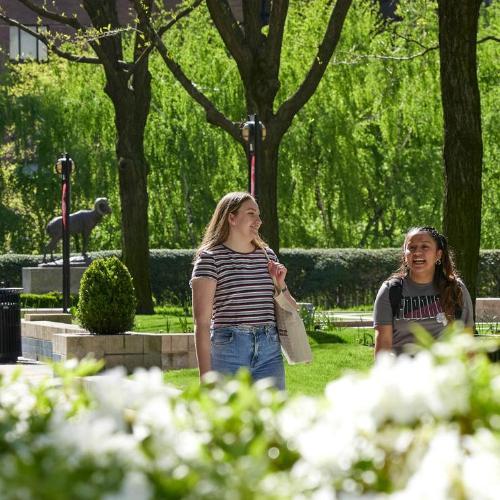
(361, 163)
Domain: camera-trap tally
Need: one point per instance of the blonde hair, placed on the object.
(217, 230)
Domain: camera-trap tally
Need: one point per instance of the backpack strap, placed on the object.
(395, 294)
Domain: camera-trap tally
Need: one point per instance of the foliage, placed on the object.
(344, 277)
(107, 301)
(11, 267)
(44, 117)
(44, 300)
(409, 428)
(359, 165)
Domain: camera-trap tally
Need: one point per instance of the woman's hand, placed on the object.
(278, 271)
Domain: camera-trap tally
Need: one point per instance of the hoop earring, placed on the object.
(438, 262)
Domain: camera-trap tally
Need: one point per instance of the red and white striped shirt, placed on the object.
(244, 291)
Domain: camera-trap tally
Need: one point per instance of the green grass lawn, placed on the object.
(167, 319)
(334, 353)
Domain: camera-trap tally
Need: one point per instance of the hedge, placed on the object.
(44, 300)
(330, 277)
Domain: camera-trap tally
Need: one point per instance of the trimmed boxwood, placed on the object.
(106, 304)
(342, 277)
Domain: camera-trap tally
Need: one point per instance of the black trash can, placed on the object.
(10, 324)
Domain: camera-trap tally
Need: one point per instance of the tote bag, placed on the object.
(291, 331)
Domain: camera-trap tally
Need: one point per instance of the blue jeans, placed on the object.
(254, 347)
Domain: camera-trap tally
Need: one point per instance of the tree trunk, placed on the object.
(267, 186)
(131, 111)
(463, 147)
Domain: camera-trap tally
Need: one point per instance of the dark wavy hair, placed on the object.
(446, 277)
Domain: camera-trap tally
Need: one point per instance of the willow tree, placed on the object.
(128, 85)
(256, 49)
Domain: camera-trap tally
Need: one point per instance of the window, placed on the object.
(24, 46)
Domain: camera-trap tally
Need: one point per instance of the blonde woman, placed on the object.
(232, 290)
(425, 290)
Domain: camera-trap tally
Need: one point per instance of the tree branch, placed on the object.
(162, 30)
(178, 16)
(396, 58)
(406, 58)
(214, 116)
(73, 23)
(252, 24)
(52, 47)
(274, 42)
(291, 106)
(42, 11)
(489, 38)
(230, 32)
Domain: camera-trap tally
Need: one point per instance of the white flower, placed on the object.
(481, 469)
(96, 436)
(438, 471)
(135, 486)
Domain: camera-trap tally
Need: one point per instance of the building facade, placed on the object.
(18, 45)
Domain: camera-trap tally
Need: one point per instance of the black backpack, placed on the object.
(396, 294)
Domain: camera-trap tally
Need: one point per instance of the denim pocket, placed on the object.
(274, 337)
(222, 337)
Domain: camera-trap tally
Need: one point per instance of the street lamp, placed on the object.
(253, 132)
(64, 167)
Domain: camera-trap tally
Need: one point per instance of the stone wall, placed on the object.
(49, 340)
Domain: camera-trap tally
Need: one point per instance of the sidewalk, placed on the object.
(359, 319)
(33, 370)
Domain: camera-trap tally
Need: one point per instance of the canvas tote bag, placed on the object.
(291, 330)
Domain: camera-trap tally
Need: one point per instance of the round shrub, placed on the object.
(106, 305)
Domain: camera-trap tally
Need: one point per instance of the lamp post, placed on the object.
(64, 167)
(253, 132)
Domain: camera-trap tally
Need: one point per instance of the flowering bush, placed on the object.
(427, 426)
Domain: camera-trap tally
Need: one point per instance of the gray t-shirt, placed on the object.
(419, 304)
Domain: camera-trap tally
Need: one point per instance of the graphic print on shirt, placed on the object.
(420, 307)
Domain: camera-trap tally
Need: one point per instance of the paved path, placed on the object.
(30, 369)
(346, 319)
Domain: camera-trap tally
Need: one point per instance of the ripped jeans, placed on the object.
(254, 347)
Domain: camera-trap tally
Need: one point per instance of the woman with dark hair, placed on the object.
(233, 305)
(425, 290)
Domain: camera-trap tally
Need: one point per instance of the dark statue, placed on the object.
(81, 222)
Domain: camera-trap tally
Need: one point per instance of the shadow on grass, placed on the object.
(326, 338)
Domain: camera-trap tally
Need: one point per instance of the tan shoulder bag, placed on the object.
(292, 333)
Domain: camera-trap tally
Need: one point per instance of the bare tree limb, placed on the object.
(406, 58)
(178, 16)
(488, 38)
(162, 30)
(252, 24)
(68, 21)
(274, 42)
(53, 48)
(230, 32)
(291, 106)
(408, 39)
(396, 58)
(42, 11)
(213, 115)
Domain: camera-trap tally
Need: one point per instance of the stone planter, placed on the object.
(50, 340)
